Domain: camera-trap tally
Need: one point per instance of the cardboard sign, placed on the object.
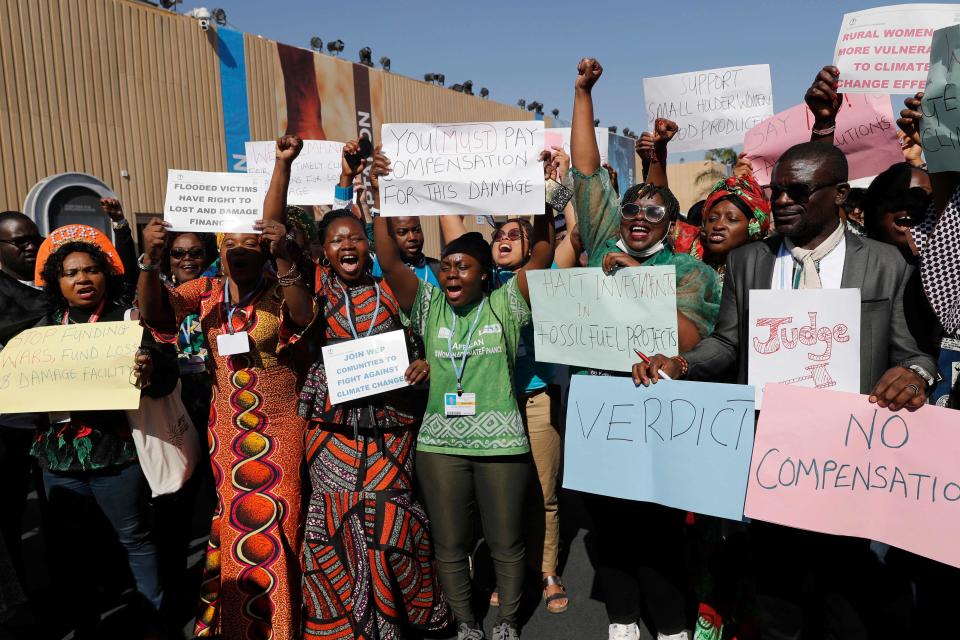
(560, 137)
(887, 49)
(806, 337)
(490, 168)
(834, 463)
(686, 445)
(585, 318)
(866, 133)
(712, 108)
(208, 201)
(314, 174)
(366, 366)
(940, 126)
(74, 367)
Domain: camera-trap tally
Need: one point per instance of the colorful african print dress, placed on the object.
(251, 580)
(368, 570)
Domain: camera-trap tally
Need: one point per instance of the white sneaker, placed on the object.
(466, 632)
(624, 631)
(683, 635)
(504, 631)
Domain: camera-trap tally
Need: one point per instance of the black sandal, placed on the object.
(550, 581)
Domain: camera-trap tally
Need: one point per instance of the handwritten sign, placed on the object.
(940, 126)
(686, 445)
(805, 337)
(366, 366)
(560, 137)
(214, 201)
(74, 367)
(844, 466)
(866, 133)
(585, 318)
(474, 168)
(713, 108)
(314, 174)
(887, 49)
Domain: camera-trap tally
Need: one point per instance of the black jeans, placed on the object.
(16, 469)
(640, 561)
(453, 487)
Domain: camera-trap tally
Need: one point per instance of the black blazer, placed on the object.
(21, 307)
(877, 269)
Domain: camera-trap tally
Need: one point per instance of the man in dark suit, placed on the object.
(812, 249)
(21, 306)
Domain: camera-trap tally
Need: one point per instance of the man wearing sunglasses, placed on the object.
(812, 250)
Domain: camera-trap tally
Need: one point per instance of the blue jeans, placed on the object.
(78, 500)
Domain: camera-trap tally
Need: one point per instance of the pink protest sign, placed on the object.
(866, 133)
(832, 462)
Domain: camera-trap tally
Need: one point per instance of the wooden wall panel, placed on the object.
(98, 86)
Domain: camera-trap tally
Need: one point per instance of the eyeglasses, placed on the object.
(907, 221)
(23, 242)
(652, 213)
(178, 253)
(797, 192)
(512, 235)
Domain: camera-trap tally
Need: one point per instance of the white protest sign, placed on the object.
(582, 317)
(560, 137)
(887, 49)
(473, 168)
(366, 366)
(712, 108)
(940, 126)
(213, 201)
(314, 174)
(804, 337)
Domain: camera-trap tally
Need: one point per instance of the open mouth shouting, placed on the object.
(639, 232)
(86, 292)
(454, 291)
(349, 263)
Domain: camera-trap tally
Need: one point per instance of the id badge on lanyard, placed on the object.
(460, 403)
(233, 342)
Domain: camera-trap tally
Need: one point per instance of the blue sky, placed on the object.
(530, 49)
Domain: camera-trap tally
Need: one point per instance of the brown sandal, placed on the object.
(551, 600)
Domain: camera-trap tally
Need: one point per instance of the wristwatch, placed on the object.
(920, 371)
(374, 212)
(120, 224)
(146, 267)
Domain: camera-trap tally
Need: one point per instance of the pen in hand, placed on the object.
(646, 360)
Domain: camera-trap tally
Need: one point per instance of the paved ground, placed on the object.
(585, 619)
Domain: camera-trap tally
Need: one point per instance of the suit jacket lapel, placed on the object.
(854, 263)
(762, 273)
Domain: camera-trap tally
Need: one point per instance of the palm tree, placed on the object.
(726, 157)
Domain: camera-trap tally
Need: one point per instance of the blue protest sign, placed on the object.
(682, 444)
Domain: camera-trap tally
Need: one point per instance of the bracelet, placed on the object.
(146, 267)
(122, 224)
(824, 132)
(684, 365)
(374, 212)
(291, 277)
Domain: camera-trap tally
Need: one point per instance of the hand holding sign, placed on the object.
(940, 128)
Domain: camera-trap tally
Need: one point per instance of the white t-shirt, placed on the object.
(831, 267)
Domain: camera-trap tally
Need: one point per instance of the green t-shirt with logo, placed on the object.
(497, 428)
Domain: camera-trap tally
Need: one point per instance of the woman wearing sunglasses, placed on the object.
(636, 542)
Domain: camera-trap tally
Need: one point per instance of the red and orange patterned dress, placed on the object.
(368, 566)
(251, 580)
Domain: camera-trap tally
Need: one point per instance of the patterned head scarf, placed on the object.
(748, 192)
(302, 219)
(75, 233)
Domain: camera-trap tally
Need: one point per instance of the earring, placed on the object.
(324, 262)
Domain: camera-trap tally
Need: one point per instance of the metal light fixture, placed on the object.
(612, 129)
(316, 43)
(335, 47)
(484, 92)
(219, 16)
(521, 103)
(366, 56)
(385, 63)
(468, 87)
(596, 122)
(437, 78)
(536, 107)
(457, 87)
(556, 113)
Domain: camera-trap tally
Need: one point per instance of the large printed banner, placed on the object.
(834, 463)
(713, 108)
(686, 445)
(808, 338)
(314, 174)
(940, 126)
(866, 133)
(585, 318)
(210, 201)
(74, 367)
(485, 168)
(887, 49)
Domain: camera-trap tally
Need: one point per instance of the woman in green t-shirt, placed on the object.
(472, 449)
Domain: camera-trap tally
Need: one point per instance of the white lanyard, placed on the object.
(349, 304)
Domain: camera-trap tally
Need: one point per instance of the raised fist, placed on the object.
(588, 72)
(288, 148)
(663, 131)
(154, 240)
(112, 207)
(822, 96)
